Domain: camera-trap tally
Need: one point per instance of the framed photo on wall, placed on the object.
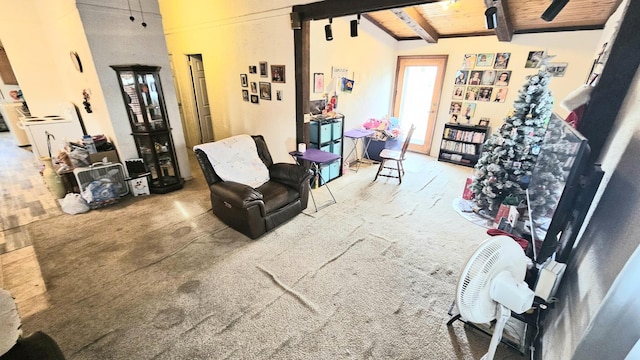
(245, 95)
(263, 69)
(484, 60)
(243, 80)
(318, 82)
(254, 87)
(265, 90)
(483, 122)
(502, 60)
(277, 73)
(254, 99)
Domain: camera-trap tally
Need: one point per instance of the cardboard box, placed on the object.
(111, 155)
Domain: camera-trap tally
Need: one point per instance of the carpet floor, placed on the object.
(160, 277)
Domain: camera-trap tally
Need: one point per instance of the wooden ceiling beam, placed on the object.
(504, 30)
(336, 8)
(417, 23)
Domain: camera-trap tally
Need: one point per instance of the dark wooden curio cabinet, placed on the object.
(150, 128)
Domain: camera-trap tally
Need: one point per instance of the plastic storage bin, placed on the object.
(321, 131)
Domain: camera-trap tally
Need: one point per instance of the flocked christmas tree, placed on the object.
(510, 153)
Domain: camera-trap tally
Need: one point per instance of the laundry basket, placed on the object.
(111, 174)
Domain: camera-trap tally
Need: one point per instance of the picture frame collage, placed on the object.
(483, 77)
(261, 90)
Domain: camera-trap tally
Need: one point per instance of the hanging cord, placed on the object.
(49, 137)
(130, 13)
(144, 24)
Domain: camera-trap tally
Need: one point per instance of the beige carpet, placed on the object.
(160, 277)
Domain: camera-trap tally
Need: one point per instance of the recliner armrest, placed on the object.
(289, 174)
(236, 194)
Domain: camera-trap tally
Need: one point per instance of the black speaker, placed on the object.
(328, 34)
(553, 9)
(354, 28)
(491, 17)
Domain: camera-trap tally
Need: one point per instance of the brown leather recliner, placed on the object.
(251, 211)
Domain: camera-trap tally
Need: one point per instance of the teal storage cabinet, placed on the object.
(326, 133)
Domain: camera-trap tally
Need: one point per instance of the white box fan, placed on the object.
(492, 285)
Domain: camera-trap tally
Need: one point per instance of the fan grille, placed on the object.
(494, 255)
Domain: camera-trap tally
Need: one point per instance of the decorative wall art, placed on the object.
(500, 94)
(502, 60)
(318, 82)
(243, 80)
(533, 59)
(461, 77)
(277, 73)
(265, 90)
(557, 69)
(254, 87)
(245, 95)
(347, 85)
(503, 78)
(263, 69)
(485, 60)
(458, 93)
(469, 61)
(254, 99)
(279, 95)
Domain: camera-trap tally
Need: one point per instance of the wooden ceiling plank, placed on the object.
(335, 8)
(504, 28)
(419, 24)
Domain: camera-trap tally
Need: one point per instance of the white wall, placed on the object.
(115, 40)
(575, 48)
(371, 62)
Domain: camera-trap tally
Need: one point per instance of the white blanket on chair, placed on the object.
(236, 159)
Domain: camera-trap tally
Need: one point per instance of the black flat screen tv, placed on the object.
(557, 181)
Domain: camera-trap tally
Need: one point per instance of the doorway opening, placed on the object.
(419, 82)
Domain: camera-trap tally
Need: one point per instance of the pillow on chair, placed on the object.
(236, 159)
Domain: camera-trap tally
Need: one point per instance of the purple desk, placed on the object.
(316, 158)
(358, 136)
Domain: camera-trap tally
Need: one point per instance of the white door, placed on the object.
(201, 99)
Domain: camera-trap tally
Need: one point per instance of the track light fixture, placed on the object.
(553, 9)
(328, 34)
(354, 26)
(491, 17)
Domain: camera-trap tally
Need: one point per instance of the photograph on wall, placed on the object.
(503, 78)
(277, 73)
(252, 69)
(500, 94)
(245, 95)
(502, 60)
(461, 77)
(318, 82)
(265, 90)
(455, 107)
(454, 118)
(263, 69)
(458, 93)
(469, 61)
(485, 93)
(243, 80)
(472, 93)
(475, 77)
(485, 60)
(468, 109)
(557, 69)
(279, 95)
(533, 59)
(347, 85)
(254, 87)
(254, 99)
(488, 77)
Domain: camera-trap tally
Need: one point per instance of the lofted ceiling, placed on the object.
(447, 19)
